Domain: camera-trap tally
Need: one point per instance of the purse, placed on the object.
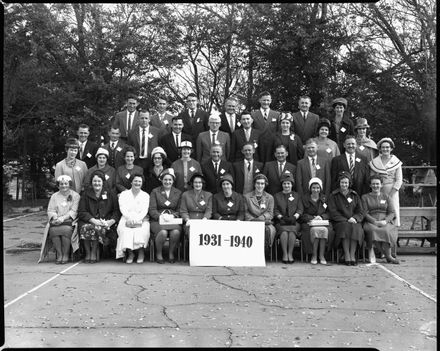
(173, 223)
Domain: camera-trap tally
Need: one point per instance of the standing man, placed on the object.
(212, 137)
(144, 139)
(195, 120)
(274, 170)
(267, 121)
(87, 148)
(127, 120)
(171, 142)
(312, 166)
(246, 169)
(115, 147)
(353, 163)
(214, 168)
(161, 119)
(245, 134)
(305, 123)
(229, 121)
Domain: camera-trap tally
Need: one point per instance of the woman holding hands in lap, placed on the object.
(227, 205)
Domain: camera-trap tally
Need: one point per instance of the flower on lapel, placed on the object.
(69, 198)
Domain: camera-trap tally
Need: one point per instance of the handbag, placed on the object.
(318, 223)
(173, 223)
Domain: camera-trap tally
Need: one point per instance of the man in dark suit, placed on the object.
(245, 134)
(213, 136)
(214, 168)
(312, 166)
(246, 169)
(161, 118)
(115, 148)
(144, 139)
(127, 120)
(171, 141)
(267, 121)
(274, 170)
(305, 122)
(87, 149)
(195, 120)
(229, 121)
(353, 163)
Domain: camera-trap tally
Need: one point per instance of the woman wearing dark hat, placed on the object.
(227, 205)
(258, 206)
(102, 165)
(316, 208)
(164, 207)
(389, 167)
(288, 208)
(71, 166)
(196, 203)
(125, 172)
(160, 162)
(291, 140)
(98, 214)
(347, 214)
(341, 124)
(326, 147)
(365, 146)
(185, 166)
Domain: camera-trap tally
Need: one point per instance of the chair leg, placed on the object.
(301, 250)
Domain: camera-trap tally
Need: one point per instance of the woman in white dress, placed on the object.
(134, 227)
(389, 167)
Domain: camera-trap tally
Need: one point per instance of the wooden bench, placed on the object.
(427, 213)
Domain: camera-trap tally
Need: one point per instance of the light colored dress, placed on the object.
(135, 208)
(391, 173)
(77, 170)
(327, 148)
(367, 147)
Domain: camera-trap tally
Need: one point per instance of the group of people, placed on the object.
(321, 180)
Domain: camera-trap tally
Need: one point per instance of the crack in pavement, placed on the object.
(232, 287)
(164, 312)
(229, 341)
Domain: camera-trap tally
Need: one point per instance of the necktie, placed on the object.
(305, 115)
(249, 166)
(143, 142)
(113, 145)
(265, 115)
(177, 140)
(313, 167)
(216, 168)
(351, 165)
(191, 113)
(129, 121)
(231, 122)
(280, 170)
(213, 139)
(247, 133)
(81, 151)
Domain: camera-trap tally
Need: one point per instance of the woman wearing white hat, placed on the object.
(185, 167)
(160, 162)
(102, 156)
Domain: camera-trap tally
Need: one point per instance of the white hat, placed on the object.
(101, 151)
(64, 177)
(186, 143)
(167, 171)
(214, 117)
(160, 150)
(315, 180)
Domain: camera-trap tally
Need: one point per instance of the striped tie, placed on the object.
(351, 166)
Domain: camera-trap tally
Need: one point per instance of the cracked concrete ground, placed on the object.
(112, 304)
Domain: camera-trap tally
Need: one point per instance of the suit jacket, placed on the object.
(361, 177)
(268, 129)
(203, 145)
(200, 124)
(164, 126)
(270, 170)
(168, 143)
(210, 176)
(134, 140)
(346, 128)
(293, 146)
(286, 207)
(224, 124)
(196, 207)
(120, 121)
(116, 156)
(160, 202)
(238, 167)
(238, 139)
(253, 210)
(304, 174)
(221, 209)
(193, 167)
(305, 129)
(89, 154)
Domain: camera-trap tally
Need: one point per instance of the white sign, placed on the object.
(226, 243)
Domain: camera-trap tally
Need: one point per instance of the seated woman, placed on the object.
(315, 208)
(258, 206)
(164, 205)
(347, 215)
(102, 156)
(196, 203)
(134, 227)
(61, 212)
(227, 205)
(185, 167)
(160, 163)
(98, 214)
(379, 227)
(288, 208)
(125, 172)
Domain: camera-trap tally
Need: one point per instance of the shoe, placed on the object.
(130, 258)
(393, 260)
(140, 258)
(285, 261)
(324, 262)
(291, 262)
(64, 262)
(58, 262)
(354, 263)
(160, 261)
(371, 256)
(313, 261)
(347, 263)
(93, 261)
(172, 260)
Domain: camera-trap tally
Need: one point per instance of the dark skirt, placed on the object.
(155, 228)
(352, 231)
(295, 228)
(65, 230)
(307, 241)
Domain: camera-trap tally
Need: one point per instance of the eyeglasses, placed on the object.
(157, 158)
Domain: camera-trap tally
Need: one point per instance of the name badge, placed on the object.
(78, 168)
(291, 198)
(64, 203)
(89, 155)
(222, 171)
(202, 202)
(198, 120)
(349, 200)
(324, 205)
(216, 142)
(104, 196)
(192, 169)
(165, 122)
(287, 171)
(318, 167)
(343, 129)
(328, 150)
(150, 135)
(383, 202)
(257, 171)
(106, 177)
(361, 147)
(255, 145)
(230, 204)
(263, 206)
(238, 124)
(358, 159)
(292, 137)
(167, 203)
(119, 149)
(127, 176)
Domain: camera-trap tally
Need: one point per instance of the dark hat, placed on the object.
(72, 143)
(339, 101)
(196, 175)
(379, 143)
(361, 123)
(344, 174)
(287, 178)
(226, 177)
(324, 122)
(261, 176)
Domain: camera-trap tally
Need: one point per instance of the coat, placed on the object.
(270, 170)
(120, 120)
(193, 167)
(196, 207)
(224, 124)
(77, 173)
(89, 154)
(258, 211)
(346, 128)
(305, 129)
(200, 125)
(287, 205)
(159, 202)
(164, 125)
(361, 176)
(106, 207)
(238, 139)
(116, 156)
(168, 143)
(212, 178)
(293, 144)
(123, 174)
(268, 129)
(304, 174)
(228, 210)
(238, 167)
(110, 177)
(204, 143)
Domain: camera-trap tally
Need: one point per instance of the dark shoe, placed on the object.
(93, 261)
(160, 261)
(393, 260)
(58, 262)
(172, 260)
(347, 263)
(285, 262)
(291, 262)
(354, 263)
